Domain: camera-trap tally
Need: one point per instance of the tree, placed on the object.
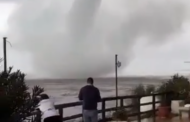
(16, 102)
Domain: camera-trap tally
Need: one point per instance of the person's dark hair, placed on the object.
(44, 96)
(90, 80)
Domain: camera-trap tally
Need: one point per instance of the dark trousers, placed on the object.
(53, 119)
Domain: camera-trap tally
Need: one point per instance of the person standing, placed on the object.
(90, 96)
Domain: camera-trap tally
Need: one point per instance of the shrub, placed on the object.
(150, 89)
(178, 85)
(120, 114)
(16, 102)
(139, 90)
(143, 90)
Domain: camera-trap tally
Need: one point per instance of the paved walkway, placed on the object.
(175, 119)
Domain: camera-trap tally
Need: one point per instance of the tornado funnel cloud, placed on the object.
(81, 18)
(79, 38)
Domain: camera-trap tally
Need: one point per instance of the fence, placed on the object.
(121, 99)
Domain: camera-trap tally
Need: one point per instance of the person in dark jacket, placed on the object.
(90, 96)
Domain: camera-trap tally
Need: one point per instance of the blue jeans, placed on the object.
(90, 115)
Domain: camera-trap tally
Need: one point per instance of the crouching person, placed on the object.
(47, 108)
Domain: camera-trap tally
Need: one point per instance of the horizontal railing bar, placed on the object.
(99, 111)
(80, 115)
(107, 109)
(128, 106)
(72, 117)
(129, 96)
(66, 105)
(149, 111)
(158, 101)
(130, 115)
(79, 103)
(112, 109)
(135, 114)
(149, 103)
(73, 104)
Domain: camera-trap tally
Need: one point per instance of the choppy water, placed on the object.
(65, 91)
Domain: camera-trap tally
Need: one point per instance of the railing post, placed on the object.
(61, 112)
(38, 116)
(139, 108)
(103, 109)
(5, 54)
(154, 107)
(82, 115)
(121, 102)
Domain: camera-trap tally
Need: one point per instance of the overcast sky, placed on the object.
(166, 59)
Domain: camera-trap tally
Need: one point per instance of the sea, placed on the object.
(66, 90)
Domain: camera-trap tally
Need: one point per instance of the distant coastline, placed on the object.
(131, 78)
